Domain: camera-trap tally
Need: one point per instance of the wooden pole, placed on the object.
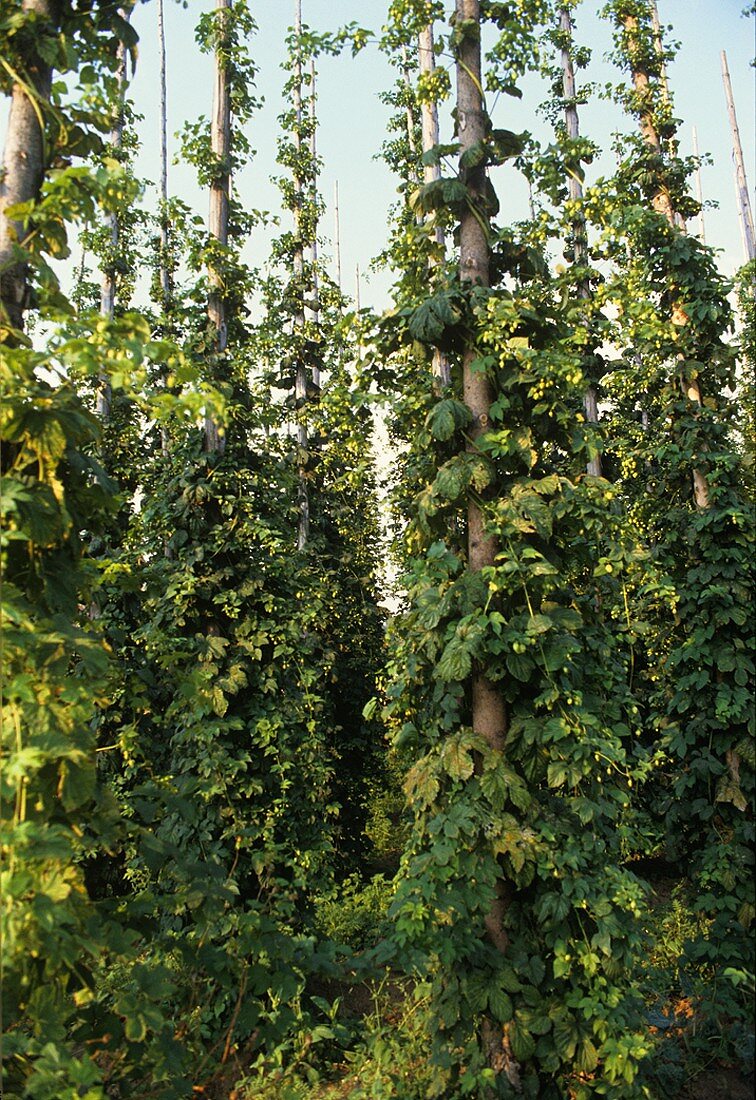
(166, 287)
(220, 141)
(314, 241)
(744, 198)
(104, 397)
(488, 712)
(108, 288)
(408, 109)
(659, 47)
(699, 189)
(575, 190)
(165, 278)
(662, 202)
(300, 379)
(337, 233)
(430, 138)
(23, 171)
(666, 94)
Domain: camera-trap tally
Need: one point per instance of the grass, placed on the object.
(386, 1059)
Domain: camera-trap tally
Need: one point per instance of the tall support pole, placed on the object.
(337, 233)
(164, 271)
(108, 285)
(666, 94)
(22, 173)
(165, 278)
(489, 717)
(220, 186)
(659, 46)
(699, 188)
(744, 199)
(300, 379)
(412, 143)
(575, 190)
(314, 241)
(432, 172)
(662, 202)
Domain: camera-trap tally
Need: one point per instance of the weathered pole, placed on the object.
(699, 189)
(300, 378)
(23, 171)
(314, 241)
(662, 203)
(337, 233)
(659, 47)
(741, 182)
(432, 172)
(108, 287)
(489, 717)
(412, 143)
(575, 191)
(666, 94)
(220, 142)
(165, 277)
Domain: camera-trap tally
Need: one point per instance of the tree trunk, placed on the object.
(300, 380)
(662, 203)
(575, 188)
(220, 140)
(430, 132)
(488, 711)
(22, 175)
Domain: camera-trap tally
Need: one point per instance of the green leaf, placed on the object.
(538, 624)
(446, 417)
(587, 1057)
(455, 663)
(494, 785)
(421, 784)
(135, 1027)
(456, 758)
(474, 155)
(509, 980)
(565, 1035)
(430, 320)
(220, 702)
(507, 144)
(452, 479)
(435, 155)
(440, 194)
(556, 773)
(500, 1005)
(521, 1042)
(520, 666)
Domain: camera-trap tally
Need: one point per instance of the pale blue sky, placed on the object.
(352, 119)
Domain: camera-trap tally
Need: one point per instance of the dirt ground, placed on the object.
(720, 1084)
